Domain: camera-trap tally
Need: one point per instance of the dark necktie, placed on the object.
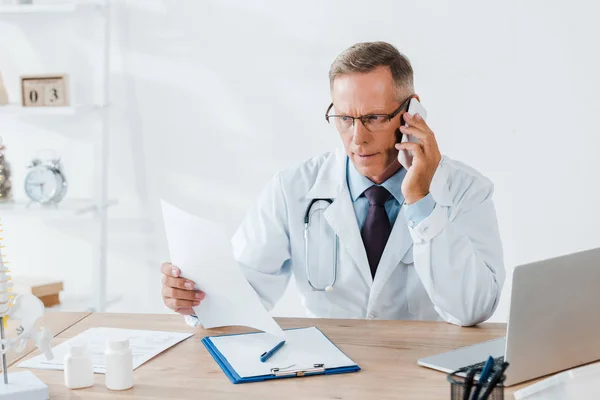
(377, 228)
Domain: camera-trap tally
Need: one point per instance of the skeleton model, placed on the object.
(27, 309)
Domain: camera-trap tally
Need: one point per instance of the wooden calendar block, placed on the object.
(45, 91)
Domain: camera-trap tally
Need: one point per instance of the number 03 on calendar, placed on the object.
(44, 91)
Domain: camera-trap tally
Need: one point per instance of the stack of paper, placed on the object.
(144, 345)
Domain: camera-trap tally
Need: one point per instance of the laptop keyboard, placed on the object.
(497, 361)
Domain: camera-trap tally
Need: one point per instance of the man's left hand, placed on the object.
(426, 157)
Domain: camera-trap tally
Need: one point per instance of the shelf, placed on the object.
(94, 209)
(17, 110)
(14, 109)
(47, 8)
(67, 207)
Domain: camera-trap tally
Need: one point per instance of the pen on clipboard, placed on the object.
(268, 354)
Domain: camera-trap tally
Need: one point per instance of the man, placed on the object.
(416, 243)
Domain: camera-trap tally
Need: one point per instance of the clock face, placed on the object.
(42, 184)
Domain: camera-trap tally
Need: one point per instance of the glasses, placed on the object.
(372, 122)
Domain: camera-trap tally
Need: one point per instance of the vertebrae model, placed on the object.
(26, 309)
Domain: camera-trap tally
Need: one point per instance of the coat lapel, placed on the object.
(340, 216)
(331, 184)
(398, 244)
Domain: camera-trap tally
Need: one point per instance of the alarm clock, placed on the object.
(45, 183)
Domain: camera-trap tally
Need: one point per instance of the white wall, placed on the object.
(212, 98)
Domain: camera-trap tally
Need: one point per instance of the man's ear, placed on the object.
(414, 96)
(398, 135)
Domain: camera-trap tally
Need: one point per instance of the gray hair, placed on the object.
(365, 57)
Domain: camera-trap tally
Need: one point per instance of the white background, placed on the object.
(211, 98)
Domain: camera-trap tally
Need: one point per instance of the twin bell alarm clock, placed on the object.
(45, 182)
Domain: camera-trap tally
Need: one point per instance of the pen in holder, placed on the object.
(460, 389)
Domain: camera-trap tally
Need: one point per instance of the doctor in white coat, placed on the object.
(384, 241)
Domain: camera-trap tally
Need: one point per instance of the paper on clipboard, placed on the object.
(202, 251)
(304, 348)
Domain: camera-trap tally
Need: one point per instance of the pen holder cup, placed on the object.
(458, 386)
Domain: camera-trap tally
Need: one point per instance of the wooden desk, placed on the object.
(387, 352)
(55, 322)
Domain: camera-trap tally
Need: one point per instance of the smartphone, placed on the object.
(414, 107)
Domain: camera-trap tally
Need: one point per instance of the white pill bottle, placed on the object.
(79, 372)
(119, 364)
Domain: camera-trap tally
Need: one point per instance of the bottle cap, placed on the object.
(77, 348)
(117, 344)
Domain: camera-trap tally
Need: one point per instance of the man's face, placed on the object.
(356, 94)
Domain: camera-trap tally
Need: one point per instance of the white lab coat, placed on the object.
(449, 266)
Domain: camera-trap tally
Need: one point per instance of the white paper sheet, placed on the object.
(202, 251)
(303, 348)
(144, 346)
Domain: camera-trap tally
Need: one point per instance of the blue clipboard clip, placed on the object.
(315, 369)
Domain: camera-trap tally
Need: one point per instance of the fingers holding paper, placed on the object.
(178, 293)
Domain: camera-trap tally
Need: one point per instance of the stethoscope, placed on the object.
(307, 217)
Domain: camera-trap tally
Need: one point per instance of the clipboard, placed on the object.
(282, 367)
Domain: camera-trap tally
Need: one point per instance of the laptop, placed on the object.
(553, 324)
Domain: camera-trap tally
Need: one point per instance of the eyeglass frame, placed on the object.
(362, 118)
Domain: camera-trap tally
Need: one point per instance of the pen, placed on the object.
(494, 380)
(487, 369)
(469, 383)
(267, 354)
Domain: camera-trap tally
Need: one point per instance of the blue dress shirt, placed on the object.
(358, 183)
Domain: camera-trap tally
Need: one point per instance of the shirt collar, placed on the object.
(358, 183)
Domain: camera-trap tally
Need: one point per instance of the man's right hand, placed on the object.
(178, 293)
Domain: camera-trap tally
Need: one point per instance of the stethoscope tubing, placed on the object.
(307, 216)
